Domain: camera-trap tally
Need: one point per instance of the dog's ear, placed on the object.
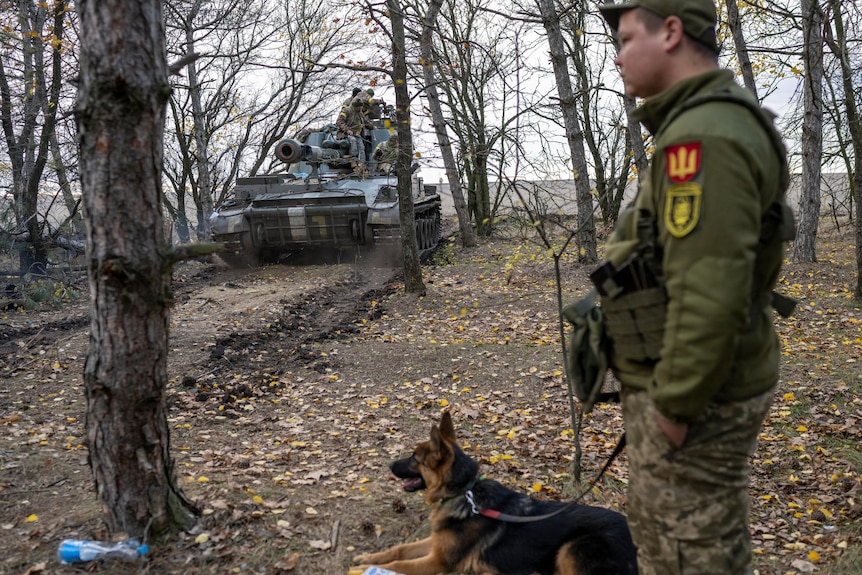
(436, 439)
(447, 430)
(440, 442)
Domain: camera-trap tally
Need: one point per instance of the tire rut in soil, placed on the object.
(308, 318)
(313, 316)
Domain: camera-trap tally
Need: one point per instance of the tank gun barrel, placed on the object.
(291, 151)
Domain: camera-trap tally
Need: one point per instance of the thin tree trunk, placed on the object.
(740, 45)
(412, 269)
(637, 139)
(804, 246)
(205, 203)
(838, 46)
(120, 115)
(468, 239)
(76, 220)
(587, 251)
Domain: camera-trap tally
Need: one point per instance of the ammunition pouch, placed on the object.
(635, 323)
(587, 356)
(634, 305)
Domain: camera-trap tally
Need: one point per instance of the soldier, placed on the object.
(350, 123)
(385, 153)
(371, 106)
(692, 265)
(349, 100)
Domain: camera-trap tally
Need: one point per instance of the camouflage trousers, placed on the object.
(688, 506)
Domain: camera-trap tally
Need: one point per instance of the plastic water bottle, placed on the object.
(81, 551)
(373, 571)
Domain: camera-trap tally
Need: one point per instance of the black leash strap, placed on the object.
(621, 444)
(494, 514)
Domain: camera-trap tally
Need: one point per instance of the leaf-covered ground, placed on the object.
(292, 387)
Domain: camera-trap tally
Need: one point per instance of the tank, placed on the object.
(325, 199)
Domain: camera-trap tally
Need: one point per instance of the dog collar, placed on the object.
(468, 492)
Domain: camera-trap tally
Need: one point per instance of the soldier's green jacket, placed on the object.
(714, 174)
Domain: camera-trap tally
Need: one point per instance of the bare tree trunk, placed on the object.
(412, 269)
(587, 252)
(205, 193)
(804, 246)
(636, 133)
(740, 45)
(76, 220)
(468, 239)
(120, 114)
(838, 46)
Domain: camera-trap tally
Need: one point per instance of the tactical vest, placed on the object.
(633, 296)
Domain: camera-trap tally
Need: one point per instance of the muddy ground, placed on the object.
(293, 385)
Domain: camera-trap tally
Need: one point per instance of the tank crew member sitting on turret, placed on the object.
(350, 123)
(385, 154)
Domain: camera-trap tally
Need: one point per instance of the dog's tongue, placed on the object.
(412, 484)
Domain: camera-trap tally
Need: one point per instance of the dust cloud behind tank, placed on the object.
(326, 201)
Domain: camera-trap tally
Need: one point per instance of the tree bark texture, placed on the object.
(437, 119)
(120, 114)
(587, 252)
(803, 249)
(412, 269)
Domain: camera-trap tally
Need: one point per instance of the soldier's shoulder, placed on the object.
(720, 119)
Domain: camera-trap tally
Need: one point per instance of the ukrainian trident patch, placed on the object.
(682, 208)
(683, 162)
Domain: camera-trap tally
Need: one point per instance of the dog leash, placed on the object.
(500, 516)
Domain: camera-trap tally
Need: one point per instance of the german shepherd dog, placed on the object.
(478, 524)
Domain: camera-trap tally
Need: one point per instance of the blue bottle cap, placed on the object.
(143, 549)
(70, 551)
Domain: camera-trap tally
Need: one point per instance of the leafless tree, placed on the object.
(31, 82)
(839, 40)
(803, 249)
(426, 40)
(477, 58)
(586, 233)
(120, 114)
